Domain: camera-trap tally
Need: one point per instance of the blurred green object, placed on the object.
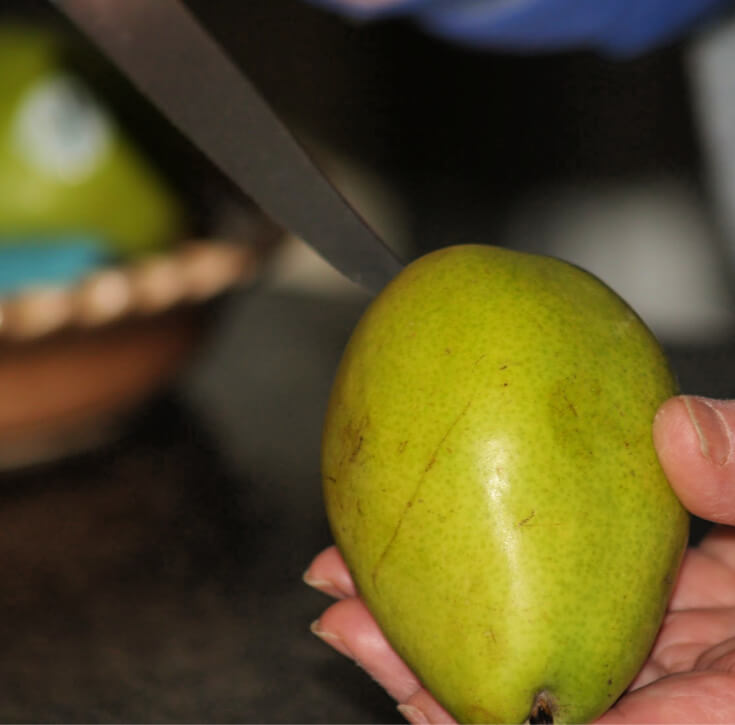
(65, 165)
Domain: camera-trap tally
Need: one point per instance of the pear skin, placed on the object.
(490, 479)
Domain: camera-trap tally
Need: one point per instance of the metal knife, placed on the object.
(167, 54)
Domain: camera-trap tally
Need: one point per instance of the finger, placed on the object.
(328, 573)
(720, 545)
(421, 707)
(686, 639)
(350, 628)
(704, 581)
(694, 697)
(685, 635)
(694, 440)
(651, 671)
(720, 657)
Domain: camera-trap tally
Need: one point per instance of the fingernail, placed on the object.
(413, 714)
(332, 639)
(315, 582)
(322, 585)
(715, 437)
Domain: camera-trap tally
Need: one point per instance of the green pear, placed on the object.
(490, 479)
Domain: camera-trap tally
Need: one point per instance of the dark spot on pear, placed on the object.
(356, 450)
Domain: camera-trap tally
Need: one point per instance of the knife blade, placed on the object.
(172, 60)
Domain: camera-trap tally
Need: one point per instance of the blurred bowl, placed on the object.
(75, 361)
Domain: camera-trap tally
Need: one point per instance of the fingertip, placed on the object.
(672, 430)
(350, 621)
(676, 446)
(413, 714)
(330, 638)
(328, 573)
(693, 437)
(325, 586)
(421, 707)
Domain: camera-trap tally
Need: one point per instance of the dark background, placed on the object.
(157, 578)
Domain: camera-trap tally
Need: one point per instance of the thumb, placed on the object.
(695, 439)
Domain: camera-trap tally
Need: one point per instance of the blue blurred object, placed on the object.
(617, 27)
(60, 260)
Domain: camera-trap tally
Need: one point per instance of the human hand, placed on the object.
(690, 674)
